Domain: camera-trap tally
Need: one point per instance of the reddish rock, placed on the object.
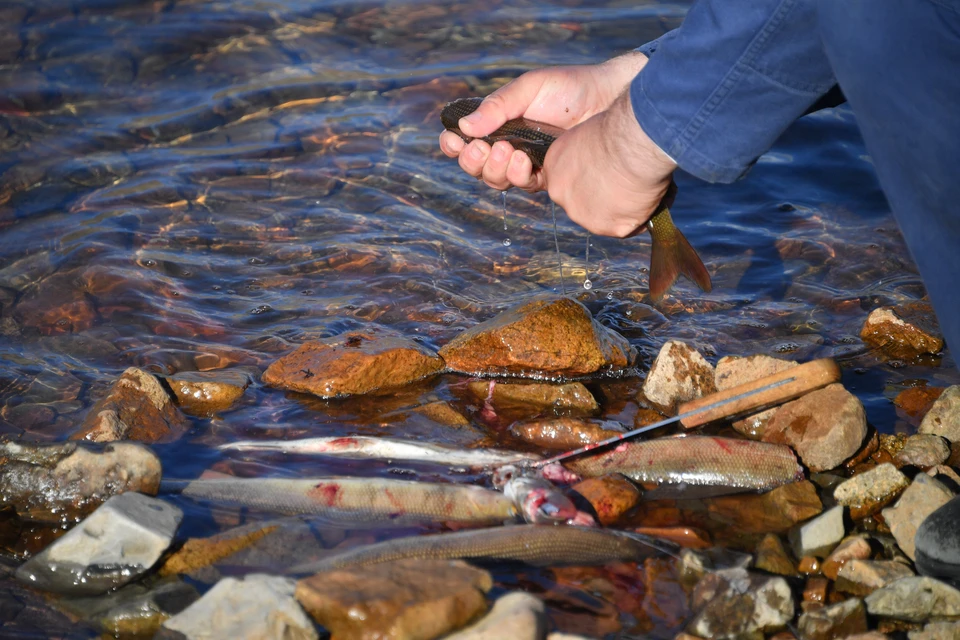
(612, 496)
(57, 305)
(905, 331)
(353, 363)
(645, 417)
(441, 412)
(403, 599)
(686, 537)
(826, 427)
(774, 512)
(205, 393)
(815, 592)
(136, 408)
(678, 374)
(733, 370)
(546, 337)
(943, 419)
(561, 433)
(852, 548)
(916, 401)
(809, 565)
(572, 396)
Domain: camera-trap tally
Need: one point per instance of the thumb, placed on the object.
(509, 101)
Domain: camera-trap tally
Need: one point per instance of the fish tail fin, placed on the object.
(670, 258)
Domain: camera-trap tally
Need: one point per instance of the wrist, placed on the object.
(633, 145)
(616, 74)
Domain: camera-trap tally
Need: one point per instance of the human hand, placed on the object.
(561, 96)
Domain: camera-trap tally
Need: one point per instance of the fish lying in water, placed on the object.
(540, 502)
(536, 545)
(387, 449)
(671, 254)
(695, 466)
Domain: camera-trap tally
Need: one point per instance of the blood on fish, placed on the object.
(342, 442)
(394, 500)
(326, 492)
(722, 443)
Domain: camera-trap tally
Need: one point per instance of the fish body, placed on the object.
(387, 449)
(726, 465)
(358, 499)
(540, 502)
(536, 545)
(670, 255)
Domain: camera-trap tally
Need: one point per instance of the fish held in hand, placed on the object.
(670, 255)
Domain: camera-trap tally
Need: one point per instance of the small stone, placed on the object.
(775, 511)
(772, 557)
(852, 548)
(517, 615)
(863, 577)
(924, 496)
(678, 374)
(924, 451)
(815, 593)
(870, 491)
(412, 598)
(903, 332)
(353, 363)
(741, 605)
(809, 565)
(943, 419)
(835, 621)
(612, 496)
(206, 393)
(820, 535)
(117, 543)
(136, 408)
(733, 370)
(937, 631)
(826, 427)
(444, 414)
(554, 337)
(938, 542)
(561, 433)
(257, 607)
(572, 396)
(916, 599)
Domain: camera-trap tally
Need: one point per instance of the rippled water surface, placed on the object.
(192, 184)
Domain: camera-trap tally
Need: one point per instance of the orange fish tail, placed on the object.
(671, 254)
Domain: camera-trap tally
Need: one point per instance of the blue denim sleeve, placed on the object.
(719, 90)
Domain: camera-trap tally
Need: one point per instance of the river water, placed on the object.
(197, 184)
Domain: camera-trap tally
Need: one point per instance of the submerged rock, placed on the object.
(572, 396)
(775, 511)
(134, 610)
(924, 496)
(411, 598)
(826, 427)
(733, 370)
(943, 419)
(517, 615)
(734, 603)
(863, 577)
(117, 543)
(561, 433)
(257, 607)
(906, 331)
(938, 542)
(839, 620)
(136, 408)
(612, 496)
(923, 450)
(65, 482)
(917, 599)
(353, 363)
(678, 374)
(205, 393)
(543, 338)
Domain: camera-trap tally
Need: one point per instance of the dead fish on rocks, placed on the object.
(536, 545)
(362, 447)
(540, 502)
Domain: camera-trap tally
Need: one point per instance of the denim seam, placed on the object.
(805, 90)
(949, 6)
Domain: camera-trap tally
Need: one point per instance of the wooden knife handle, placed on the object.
(805, 378)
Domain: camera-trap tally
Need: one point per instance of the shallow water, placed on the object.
(198, 184)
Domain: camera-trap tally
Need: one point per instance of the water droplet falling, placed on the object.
(556, 242)
(587, 284)
(503, 197)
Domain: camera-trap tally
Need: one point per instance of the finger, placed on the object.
(473, 157)
(451, 144)
(508, 102)
(495, 168)
(520, 173)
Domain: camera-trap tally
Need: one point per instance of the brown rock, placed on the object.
(772, 556)
(678, 374)
(923, 450)
(924, 496)
(561, 433)
(905, 331)
(825, 427)
(851, 548)
(611, 496)
(839, 620)
(197, 553)
(136, 408)
(572, 396)
(353, 363)
(775, 511)
(868, 492)
(863, 577)
(809, 565)
(57, 305)
(732, 371)
(205, 393)
(943, 419)
(916, 401)
(815, 592)
(552, 337)
(403, 599)
(444, 414)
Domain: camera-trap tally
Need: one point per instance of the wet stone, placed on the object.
(136, 408)
(938, 542)
(851, 548)
(863, 577)
(572, 396)
(257, 606)
(835, 621)
(197, 553)
(65, 482)
(739, 604)
(924, 496)
(546, 337)
(678, 374)
(903, 332)
(517, 615)
(442, 413)
(205, 393)
(772, 557)
(134, 610)
(923, 450)
(819, 536)
(775, 511)
(871, 490)
(402, 599)
(917, 599)
(733, 370)
(943, 419)
(936, 631)
(353, 363)
(825, 427)
(117, 543)
(612, 496)
(916, 401)
(561, 433)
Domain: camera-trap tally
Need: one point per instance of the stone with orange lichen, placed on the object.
(571, 396)
(552, 337)
(772, 512)
(561, 433)
(443, 413)
(612, 496)
(354, 363)
(905, 331)
(197, 553)
(733, 370)
(678, 374)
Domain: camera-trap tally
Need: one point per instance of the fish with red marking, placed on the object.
(540, 502)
